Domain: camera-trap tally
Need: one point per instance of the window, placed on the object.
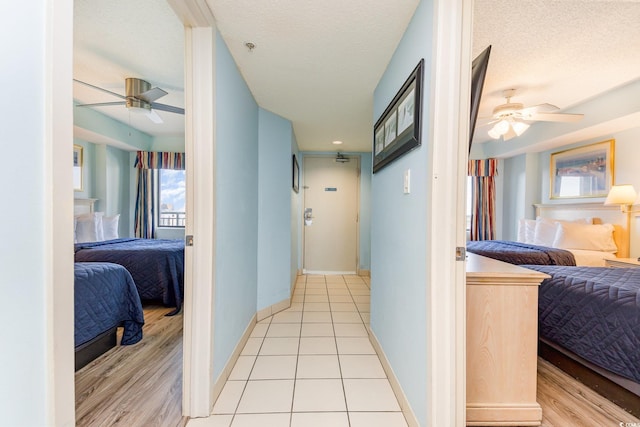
(171, 198)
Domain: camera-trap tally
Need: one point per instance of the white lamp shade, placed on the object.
(623, 194)
(519, 127)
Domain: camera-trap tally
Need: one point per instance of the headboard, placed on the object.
(83, 206)
(601, 215)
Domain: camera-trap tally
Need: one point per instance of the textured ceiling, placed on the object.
(317, 63)
(116, 39)
(555, 51)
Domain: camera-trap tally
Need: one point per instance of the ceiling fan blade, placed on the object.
(540, 108)
(169, 108)
(154, 117)
(151, 95)
(99, 88)
(556, 117)
(102, 104)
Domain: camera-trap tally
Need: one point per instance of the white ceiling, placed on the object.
(317, 63)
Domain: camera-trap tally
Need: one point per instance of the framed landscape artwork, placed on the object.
(582, 172)
(77, 167)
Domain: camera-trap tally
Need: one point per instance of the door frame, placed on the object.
(358, 207)
(449, 125)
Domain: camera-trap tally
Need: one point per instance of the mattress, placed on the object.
(591, 258)
(105, 296)
(595, 313)
(156, 265)
(521, 253)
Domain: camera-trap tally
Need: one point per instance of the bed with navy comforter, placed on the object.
(595, 313)
(156, 265)
(521, 253)
(105, 297)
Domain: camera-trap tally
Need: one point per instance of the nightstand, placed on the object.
(622, 263)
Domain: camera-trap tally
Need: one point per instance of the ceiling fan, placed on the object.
(139, 97)
(510, 118)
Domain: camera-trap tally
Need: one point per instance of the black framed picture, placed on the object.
(398, 129)
(295, 170)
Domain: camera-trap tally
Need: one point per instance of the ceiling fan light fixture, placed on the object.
(519, 127)
(494, 134)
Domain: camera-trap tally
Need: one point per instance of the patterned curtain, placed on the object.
(147, 163)
(483, 198)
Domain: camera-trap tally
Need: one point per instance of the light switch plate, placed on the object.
(407, 181)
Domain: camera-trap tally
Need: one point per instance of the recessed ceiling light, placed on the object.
(337, 142)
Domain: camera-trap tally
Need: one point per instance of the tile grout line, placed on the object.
(295, 374)
(235, 412)
(335, 339)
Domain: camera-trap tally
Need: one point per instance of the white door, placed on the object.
(331, 215)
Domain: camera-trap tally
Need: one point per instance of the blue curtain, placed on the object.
(145, 217)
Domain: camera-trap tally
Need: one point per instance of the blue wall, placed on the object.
(366, 164)
(526, 179)
(88, 169)
(107, 174)
(274, 209)
(399, 228)
(296, 219)
(236, 205)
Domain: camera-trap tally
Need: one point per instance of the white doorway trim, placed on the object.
(200, 259)
(58, 211)
(451, 68)
(200, 150)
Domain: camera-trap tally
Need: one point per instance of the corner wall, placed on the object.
(399, 228)
(236, 205)
(274, 209)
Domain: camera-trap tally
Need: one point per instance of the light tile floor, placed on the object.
(311, 365)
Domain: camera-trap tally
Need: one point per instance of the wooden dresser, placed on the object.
(502, 339)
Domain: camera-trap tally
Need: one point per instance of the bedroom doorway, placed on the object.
(126, 371)
(331, 215)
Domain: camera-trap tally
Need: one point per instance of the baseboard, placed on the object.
(412, 421)
(329, 273)
(273, 309)
(226, 371)
(364, 273)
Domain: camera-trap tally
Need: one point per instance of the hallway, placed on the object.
(310, 365)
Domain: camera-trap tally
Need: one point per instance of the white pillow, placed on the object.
(544, 233)
(110, 227)
(99, 216)
(592, 237)
(545, 230)
(89, 227)
(526, 230)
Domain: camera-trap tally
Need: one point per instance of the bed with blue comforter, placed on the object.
(593, 312)
(521, 253)
(156, 265)
(105, 297)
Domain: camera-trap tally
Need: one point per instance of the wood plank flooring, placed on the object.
(567, 402)
(141, 385)
(136, 385)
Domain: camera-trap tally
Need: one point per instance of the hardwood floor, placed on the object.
(567, 402)
(141, 385)
(137, 385)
